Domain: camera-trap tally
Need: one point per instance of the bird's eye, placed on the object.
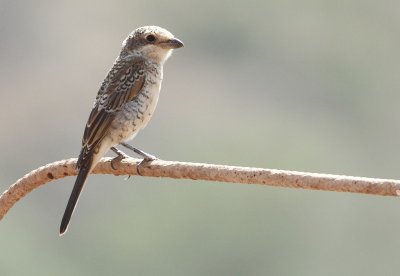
(150, 38)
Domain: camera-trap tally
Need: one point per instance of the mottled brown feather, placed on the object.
(120, 87)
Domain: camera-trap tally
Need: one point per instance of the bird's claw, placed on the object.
(147, 159)
(117, 159)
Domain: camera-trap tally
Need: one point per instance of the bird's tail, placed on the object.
(73, 199)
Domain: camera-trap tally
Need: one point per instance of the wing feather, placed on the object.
(122, 85)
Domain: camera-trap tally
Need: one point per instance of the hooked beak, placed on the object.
(172, 43)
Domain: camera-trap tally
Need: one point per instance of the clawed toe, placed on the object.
(147, 159)
(117, 159)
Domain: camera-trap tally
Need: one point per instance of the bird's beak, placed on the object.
(172, 43)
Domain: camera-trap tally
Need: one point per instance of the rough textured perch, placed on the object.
(198, 171)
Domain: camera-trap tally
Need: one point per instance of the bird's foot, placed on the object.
(146, 156)
(120, 156)
(145, 160)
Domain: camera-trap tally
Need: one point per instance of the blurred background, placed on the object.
(297, 85)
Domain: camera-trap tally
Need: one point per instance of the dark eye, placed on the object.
(150, 38)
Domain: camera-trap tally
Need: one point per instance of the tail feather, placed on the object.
(73, 199)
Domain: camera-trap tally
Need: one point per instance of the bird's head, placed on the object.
(150, 42)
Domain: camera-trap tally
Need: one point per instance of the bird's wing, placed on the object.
(122, 84)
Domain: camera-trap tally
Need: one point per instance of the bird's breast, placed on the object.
(136, 114)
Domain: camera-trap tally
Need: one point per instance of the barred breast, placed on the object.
(136, 114)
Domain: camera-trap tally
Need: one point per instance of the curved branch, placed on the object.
(198, 171)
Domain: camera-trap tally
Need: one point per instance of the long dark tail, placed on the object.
(73, 199)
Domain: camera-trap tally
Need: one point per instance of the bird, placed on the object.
(124, 103)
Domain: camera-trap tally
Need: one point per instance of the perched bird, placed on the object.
(125, 102)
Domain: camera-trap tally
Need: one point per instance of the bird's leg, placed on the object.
(146, 157)
(120, 155)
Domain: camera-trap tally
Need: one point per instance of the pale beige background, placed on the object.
(299, 85)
